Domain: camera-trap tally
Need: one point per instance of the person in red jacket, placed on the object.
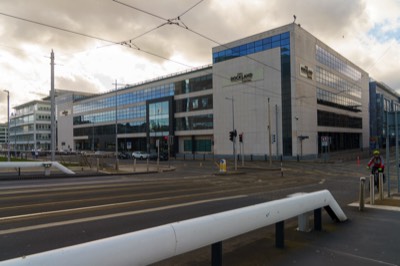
(376, 163)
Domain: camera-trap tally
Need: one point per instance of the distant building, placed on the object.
(3, 136)
(283, 90)
(383, 99)
(30, 126)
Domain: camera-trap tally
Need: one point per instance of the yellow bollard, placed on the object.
(222, 166)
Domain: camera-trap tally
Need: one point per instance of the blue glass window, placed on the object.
(280, 40)
(276, 38)
(285, 35)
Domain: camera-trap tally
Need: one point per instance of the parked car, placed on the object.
(154, 155)
(140, 155)
(124, 155)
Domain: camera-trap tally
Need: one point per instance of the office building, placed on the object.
(30, 126)
(283, 91)
(384, 101)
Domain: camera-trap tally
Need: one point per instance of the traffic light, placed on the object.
(231, 135)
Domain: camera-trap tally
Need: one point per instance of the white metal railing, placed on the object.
(155, 244)
(45, 165)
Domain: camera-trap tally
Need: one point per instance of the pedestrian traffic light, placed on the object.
(231, 135)
(241, 137)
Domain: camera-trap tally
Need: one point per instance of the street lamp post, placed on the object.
(8, 124)
(116, 126)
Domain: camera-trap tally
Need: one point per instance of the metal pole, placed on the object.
(380, 185)
(269, 135)
(234, 136)
(116, 127)
(388, 150)
(93, 135)
(233, 130)
(361, 194)
(15, 137)
(8, 125)
(53, 108)
(371, 190)
(277, 131)
(397, 150)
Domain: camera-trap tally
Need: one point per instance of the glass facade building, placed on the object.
(283, 90)
(145, 113)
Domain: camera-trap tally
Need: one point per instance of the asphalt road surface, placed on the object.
(39, 215)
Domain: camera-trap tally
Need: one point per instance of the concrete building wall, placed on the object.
(250, 100)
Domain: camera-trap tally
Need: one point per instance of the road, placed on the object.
(40, 215)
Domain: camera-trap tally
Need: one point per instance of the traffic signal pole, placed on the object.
(233, 131)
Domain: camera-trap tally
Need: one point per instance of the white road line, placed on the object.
(101, 217)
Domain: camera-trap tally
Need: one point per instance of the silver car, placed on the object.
(140, 155)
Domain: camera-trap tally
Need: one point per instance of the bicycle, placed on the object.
(375, 171)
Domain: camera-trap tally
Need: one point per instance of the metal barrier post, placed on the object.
(134, 165)
(280, 234)
(216, 254)
(371, 190)
(362, 196)
(380, 186)
(318, 219)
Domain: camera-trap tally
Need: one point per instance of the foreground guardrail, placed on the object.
(155, 244)
(45, 165)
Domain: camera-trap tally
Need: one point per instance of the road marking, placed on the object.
(101, 217)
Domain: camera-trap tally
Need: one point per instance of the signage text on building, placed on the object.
(240, 77)
(306, 71)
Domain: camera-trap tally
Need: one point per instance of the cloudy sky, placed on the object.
(97, 42)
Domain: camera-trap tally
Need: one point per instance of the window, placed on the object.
(278, 40)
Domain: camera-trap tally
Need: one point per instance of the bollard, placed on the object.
(371, 190)
(97, 164)
(362, 196)
(222, 166)
(380, 182)
(147, 164)
(134, 165)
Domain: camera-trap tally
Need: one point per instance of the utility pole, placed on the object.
(52, 113)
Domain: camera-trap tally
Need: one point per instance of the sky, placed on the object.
(98, 43)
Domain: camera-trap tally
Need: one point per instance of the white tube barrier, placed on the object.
(154, 244)
(47, 164)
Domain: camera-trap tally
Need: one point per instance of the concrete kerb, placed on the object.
(82, 171)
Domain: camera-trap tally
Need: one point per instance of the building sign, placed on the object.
(65, 112)
(240, 77)
(306, 72)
